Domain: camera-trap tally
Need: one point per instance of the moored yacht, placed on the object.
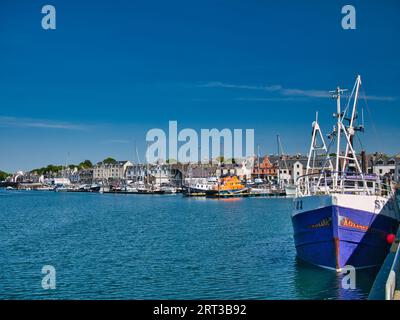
(197, 187)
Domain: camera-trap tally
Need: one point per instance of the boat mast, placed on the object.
(258, 158)
(351, 129)
(190, 177)
(338, 133)
(279, 167)
(348, 132)
(147, 165)
(281, 151)
(337, 94)
(313, 153)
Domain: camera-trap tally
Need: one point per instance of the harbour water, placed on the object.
(111, 246)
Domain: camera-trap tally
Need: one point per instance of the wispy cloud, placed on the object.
(285, 92)
(381, 98)
(10, 122)
(305, 93)
(237, 86)
(115, 141)
(274, 99)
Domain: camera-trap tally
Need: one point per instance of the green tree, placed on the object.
(86, 164)
(171, 161)
(110, 160)
(3, 175)
(230, 161)
(220, 159)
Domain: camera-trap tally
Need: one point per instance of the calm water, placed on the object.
(106, 246)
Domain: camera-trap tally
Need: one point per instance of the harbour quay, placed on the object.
(268, 175)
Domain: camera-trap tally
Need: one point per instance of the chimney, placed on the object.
(364, 166)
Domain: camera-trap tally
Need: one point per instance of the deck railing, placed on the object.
(331, 182)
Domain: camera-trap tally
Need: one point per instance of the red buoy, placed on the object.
(390, 238)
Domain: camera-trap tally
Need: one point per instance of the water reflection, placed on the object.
(313, 282)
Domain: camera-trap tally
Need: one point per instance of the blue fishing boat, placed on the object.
(342, 215)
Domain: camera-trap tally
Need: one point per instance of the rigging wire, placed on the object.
(348, 101)
(375, 131)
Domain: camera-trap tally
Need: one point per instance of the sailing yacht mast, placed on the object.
(279, 168)
(258, 160)
(281, 151)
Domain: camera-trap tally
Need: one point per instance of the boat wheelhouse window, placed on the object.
(391, 162)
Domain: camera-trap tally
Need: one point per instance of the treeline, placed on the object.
(3, 175)
(87, 164)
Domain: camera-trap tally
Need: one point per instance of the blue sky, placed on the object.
(112, 70)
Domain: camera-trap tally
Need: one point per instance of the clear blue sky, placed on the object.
(114, 69)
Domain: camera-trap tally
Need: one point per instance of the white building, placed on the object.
(61, 181)
(17, 177)
(115, 170)
(397, 171)
(383, 166)
(246, 169)
(291, 168)
(243, 169)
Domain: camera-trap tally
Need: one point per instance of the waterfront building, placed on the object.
(115, 171)
(264, 169)
(245, 170)
(17, 177)
(383, 165)
(201, 171)
(61, 181)
(292, 167)
(135, 172)
(156, 174)
(242, 168)
(70, 173)
(397, 170)
(85, 176)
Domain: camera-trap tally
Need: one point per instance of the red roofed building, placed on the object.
(266, 170)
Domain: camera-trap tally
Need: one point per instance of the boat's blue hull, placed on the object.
(334, 236)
